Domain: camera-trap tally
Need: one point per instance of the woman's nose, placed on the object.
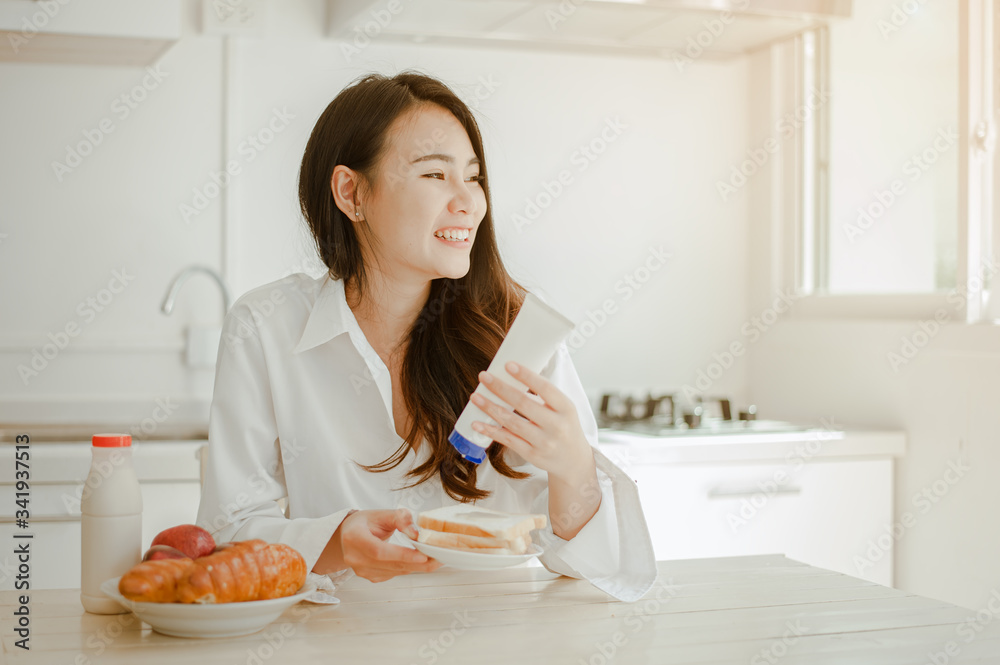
(463, 200)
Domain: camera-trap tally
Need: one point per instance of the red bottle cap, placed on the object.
(112, 440)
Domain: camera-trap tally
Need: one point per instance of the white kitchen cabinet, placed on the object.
(823, 514)
(168, 476)
(829, 509)
(96, 32)
(54, 553)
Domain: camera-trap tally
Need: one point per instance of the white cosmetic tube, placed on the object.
(531, 341)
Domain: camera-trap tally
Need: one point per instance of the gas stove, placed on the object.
(667, 415)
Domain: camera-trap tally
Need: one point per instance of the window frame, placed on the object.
(978, 235)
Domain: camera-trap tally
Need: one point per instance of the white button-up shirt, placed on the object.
(300, 396)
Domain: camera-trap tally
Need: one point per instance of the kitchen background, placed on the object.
(117, 224)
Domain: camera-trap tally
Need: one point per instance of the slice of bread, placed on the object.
(472, 520)
(480, 544)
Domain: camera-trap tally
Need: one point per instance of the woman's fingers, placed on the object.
(396, 559)
(367, 551)
(505, 436)
(508, 423)
(534, 409)
(384, 522)
(404, 523)
(389, 553)
(376, 553)
(545, 389)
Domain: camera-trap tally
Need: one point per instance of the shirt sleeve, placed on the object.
(613, 550)
(244, 478)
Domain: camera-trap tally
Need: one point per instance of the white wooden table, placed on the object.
(757, 610)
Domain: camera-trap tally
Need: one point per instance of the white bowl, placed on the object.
(207, 619)
(474, 560)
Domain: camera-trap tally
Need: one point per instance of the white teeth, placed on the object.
(453, 234)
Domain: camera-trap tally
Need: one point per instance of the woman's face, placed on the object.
(427, 184)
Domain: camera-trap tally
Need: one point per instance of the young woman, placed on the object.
(337, 395)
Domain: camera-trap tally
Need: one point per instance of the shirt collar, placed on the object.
(330, 316)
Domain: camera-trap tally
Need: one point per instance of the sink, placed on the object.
(82, 432)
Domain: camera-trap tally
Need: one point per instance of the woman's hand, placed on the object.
(547, 433)
(361, 538)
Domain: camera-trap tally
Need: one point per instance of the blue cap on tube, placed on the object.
(468, 449)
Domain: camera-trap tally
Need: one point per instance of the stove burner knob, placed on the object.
(693, 418)
(605, 403)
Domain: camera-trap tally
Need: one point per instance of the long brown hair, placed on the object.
(464, 320)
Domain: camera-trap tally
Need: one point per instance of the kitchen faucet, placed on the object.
(202, 343)
(183, 276)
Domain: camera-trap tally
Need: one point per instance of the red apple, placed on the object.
(163, 552)
(190, 539)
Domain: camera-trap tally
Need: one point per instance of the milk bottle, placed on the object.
(111, 520)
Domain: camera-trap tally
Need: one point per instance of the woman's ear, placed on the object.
(344, 186)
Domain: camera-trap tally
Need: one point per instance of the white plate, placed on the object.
(473, 560)
(207, 619)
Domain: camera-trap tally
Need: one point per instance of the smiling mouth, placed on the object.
(456, 236)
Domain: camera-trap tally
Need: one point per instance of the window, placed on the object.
(890, 221)
(886, 210)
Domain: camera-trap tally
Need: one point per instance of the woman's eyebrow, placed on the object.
(442, 157)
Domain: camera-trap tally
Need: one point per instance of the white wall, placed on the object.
(945, 399)
(652, 187)
(117, 210)
(649, 188)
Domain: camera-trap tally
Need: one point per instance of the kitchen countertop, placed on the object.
(151, 430)
(753, 609)
(626, 447)
(76, 419)
(69, 463)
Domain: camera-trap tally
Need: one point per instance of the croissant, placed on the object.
(245, 570)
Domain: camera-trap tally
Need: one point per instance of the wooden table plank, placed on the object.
(701, 611)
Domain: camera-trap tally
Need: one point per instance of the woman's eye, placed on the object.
(440, 176)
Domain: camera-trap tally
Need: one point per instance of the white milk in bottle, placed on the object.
(111, 520)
